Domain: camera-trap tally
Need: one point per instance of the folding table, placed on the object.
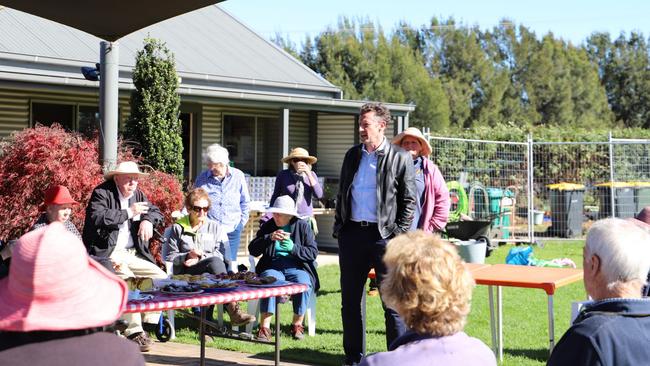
(165, 301)
(544, 278)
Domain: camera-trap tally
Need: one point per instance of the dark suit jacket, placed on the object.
(104, 217)
(304, 247)
(395, 190)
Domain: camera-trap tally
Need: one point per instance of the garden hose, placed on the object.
(459, 202)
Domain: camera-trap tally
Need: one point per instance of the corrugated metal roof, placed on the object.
(207, 41)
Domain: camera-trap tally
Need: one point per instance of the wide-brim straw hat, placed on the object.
(125, 167)
(53, 285)
(299, 153)
(414, 132)
(284, 205)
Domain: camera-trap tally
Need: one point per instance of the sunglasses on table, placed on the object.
(200, 208)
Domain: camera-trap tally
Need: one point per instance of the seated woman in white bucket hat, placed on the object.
(288, 249)
(55, 302)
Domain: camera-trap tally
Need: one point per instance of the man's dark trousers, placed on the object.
(361, 247)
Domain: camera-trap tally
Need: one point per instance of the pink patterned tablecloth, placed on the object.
(165, 301)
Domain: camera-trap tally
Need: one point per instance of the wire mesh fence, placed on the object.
(535, 190)
(491, 182)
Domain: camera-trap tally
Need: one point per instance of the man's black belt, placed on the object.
(364, 223)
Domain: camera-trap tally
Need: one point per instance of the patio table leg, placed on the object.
(500, 321)
(551, 324)
(202, 335)
(495, 346)
(277, 331)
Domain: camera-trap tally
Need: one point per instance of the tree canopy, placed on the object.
(155, 102)
(463, 77)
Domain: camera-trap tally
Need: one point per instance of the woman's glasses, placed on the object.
(200, 208)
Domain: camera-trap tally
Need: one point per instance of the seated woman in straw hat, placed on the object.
(432, 206)
(57, 207)
(428, 285)
(288, 249)
(298, 181)
(52, 314)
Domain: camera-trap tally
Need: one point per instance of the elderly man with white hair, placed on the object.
(615, 328)
(119, 223)
(228, 193)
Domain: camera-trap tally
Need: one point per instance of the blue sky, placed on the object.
(572, 20)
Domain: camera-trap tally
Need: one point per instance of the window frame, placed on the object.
(256, 117)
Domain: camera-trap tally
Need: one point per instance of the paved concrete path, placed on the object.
(171, 353)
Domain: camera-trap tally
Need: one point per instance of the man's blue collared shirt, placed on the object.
(364, 187)
(229, 197)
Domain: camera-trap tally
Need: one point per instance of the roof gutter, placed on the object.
(126, 71)
(211, 95)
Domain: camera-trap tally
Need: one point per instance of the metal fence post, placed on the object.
(611, 175)
(531, 191)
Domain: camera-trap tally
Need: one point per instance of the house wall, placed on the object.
(336, 134)
(14, 112)
(299, 130)
(15, 105)
(211, 130)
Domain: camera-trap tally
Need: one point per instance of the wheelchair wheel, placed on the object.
(164, 331)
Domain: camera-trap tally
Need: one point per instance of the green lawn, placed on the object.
(525, 318)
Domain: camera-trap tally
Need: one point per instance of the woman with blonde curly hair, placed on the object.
(429, 286)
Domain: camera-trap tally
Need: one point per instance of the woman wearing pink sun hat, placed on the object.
(55, 302)
(432, 208)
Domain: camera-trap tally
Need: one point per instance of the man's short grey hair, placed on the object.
(623, 249)
(216, 153)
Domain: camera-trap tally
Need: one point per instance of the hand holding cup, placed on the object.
(139, 208)
(277, 235)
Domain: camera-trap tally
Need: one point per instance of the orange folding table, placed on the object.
(544, 278)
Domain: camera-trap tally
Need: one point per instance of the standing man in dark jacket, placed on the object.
(119, 223)
(375, 202)
(614, 329)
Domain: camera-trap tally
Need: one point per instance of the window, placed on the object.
(254, 144)
(88, 120)
(49, 113)
(72, 116)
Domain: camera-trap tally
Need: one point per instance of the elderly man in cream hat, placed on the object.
(119, 223)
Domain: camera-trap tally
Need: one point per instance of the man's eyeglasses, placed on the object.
(199, 208)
